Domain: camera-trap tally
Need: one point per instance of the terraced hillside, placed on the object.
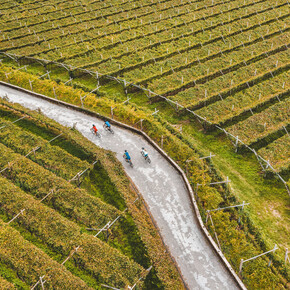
(201, 68)
(220, 59)
(248, 232)
(55, 187)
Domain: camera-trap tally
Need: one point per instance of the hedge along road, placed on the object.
(161, 186)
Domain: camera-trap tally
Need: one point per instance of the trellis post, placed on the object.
(126, 101)
(30, 83)
(53, 88)
(70, 79)
(112, 112)
(21, 212)
(155, 112)
(210, 156)
(70, 255)
(255, 257)
(236, 144)
(286, 256)
(41, 282)
(186, 165)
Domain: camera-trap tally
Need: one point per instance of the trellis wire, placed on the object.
(255, 257)
(105, 227)
(213, 183)
(134, 285)
(33, 150)
(222, 208)
(13, 122)
(16, 57)
(210, 156)
(39, 281)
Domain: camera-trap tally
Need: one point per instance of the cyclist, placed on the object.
(144, 153)
(94, 129)
(107, 125)
(127, 156)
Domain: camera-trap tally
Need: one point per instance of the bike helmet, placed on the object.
(142, 148)
(125, 150)
(93, 125)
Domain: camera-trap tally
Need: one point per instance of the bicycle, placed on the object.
(96, 133)
(147, 158)
(128, 161)
(109, 129)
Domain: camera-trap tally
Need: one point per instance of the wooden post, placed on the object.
(237, 142)
(41, 282)
(112, 112)
(54, 92)
(241, 266)
(30, 82)
(286, 256)
(79, 183)
(207, 214)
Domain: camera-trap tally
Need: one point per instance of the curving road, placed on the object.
(161, 187)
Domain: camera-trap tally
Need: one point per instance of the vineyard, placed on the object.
(214, 66)
(220, 59)
(46, 213)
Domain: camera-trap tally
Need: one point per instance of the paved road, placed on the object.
(162, 188)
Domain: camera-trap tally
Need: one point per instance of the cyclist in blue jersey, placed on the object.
(108, 127)
(107, 124)
(127, 156)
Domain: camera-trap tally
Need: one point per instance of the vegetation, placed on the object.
(226, 61)
(278, 153)
(251, 241)
(262, 124)
(56, 223)
(23, 261)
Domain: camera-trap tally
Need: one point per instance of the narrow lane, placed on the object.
(161, 187)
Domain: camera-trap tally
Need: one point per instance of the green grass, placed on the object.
(11, 276)
(269, 201)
